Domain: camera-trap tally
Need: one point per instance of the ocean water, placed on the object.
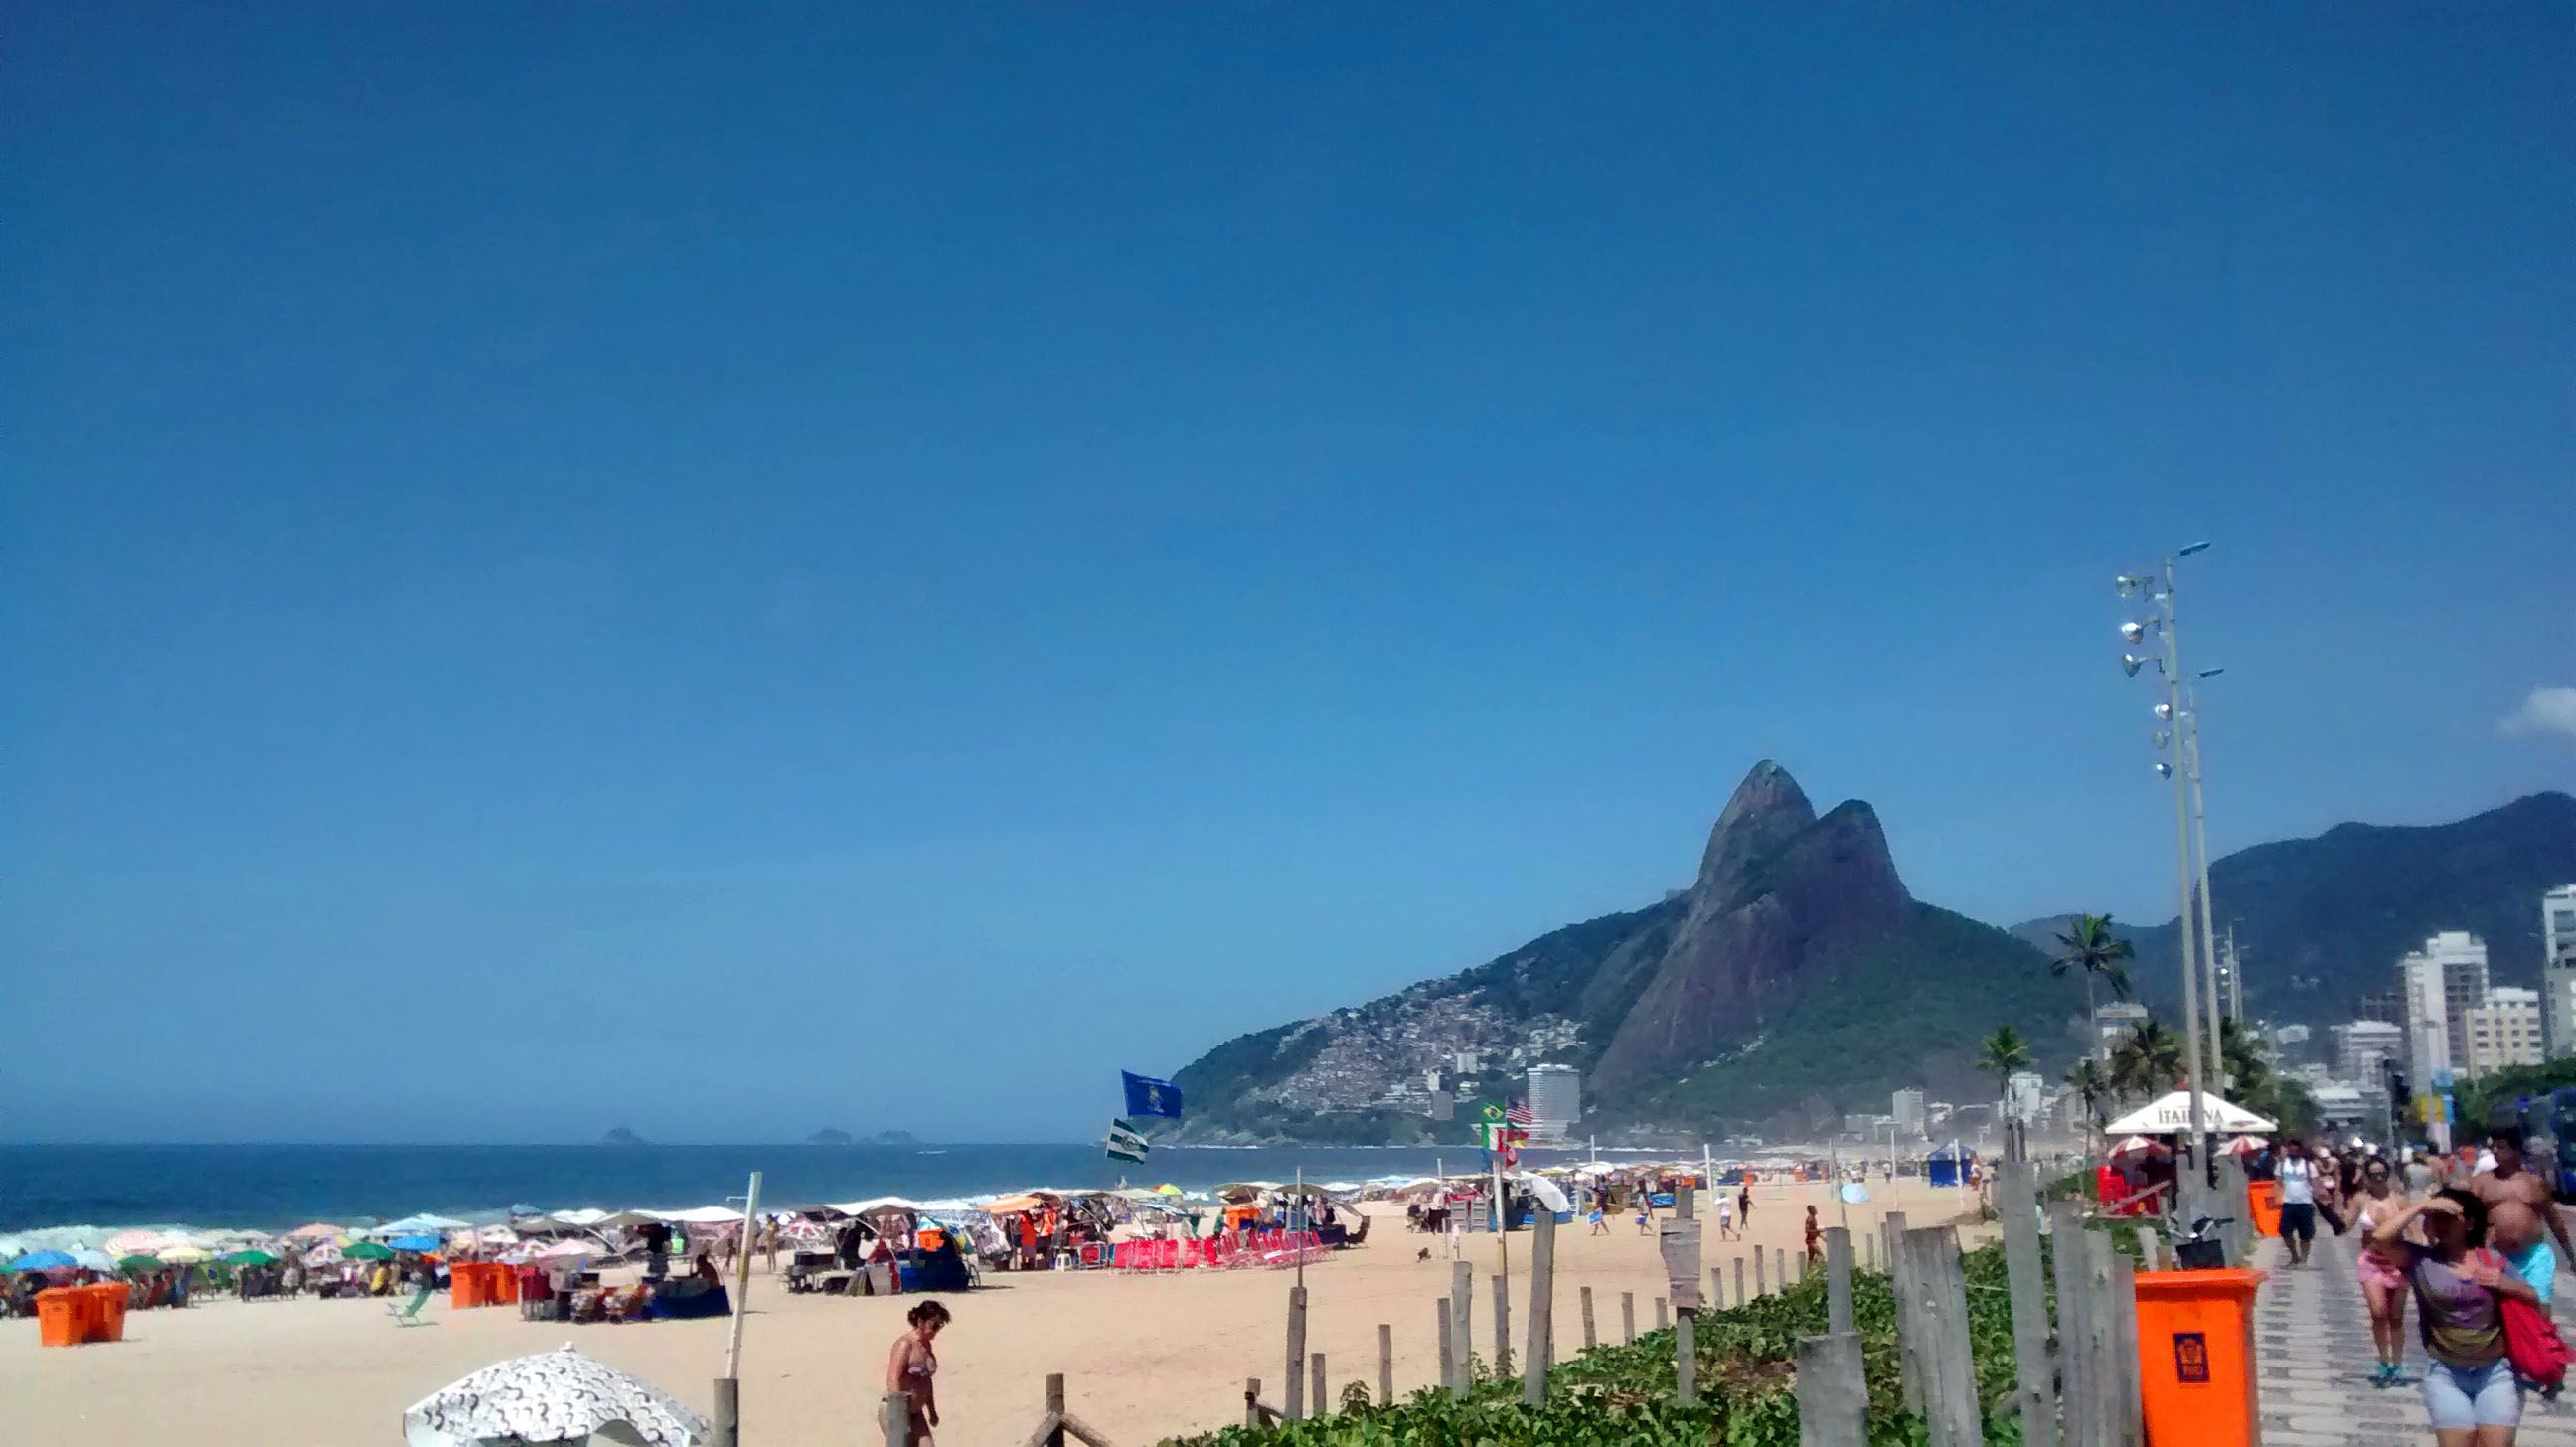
(277, 1187)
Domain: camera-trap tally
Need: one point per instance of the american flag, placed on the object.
(1518, 1112)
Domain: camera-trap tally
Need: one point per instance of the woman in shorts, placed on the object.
(2469, 1388)
(2383, 1273)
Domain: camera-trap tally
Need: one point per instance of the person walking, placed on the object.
(2298, 1179)
(2469, 1388)
(913, 1365)
(1815, 1238)
(1744, 1203)
(1599, 1218)
(2522, 1216)
(2382, 1272)
(1725, 1218)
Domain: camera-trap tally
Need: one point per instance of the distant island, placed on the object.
(844, 1138)
(621, 1137)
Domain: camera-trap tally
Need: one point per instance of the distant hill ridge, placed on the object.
(2321, 921)
(1797, 978)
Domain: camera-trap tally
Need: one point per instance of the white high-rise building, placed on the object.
(1908, 1110)
(2502, 1030)
(2442, 982)
(1555, 1101)
(2360, 1046)
(2558, 969)
(2022, 1090)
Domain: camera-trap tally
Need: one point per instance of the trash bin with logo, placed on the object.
(2196, 1356)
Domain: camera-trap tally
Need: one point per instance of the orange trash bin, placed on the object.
(464, 1285)
(108, 1318)
(2196, 1356)
(501, 1285)
(2265, 1199)
(62, 1317)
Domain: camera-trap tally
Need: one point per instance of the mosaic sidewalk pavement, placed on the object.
(2313, 1354)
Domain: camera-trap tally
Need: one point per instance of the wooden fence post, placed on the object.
(1323, 1404)
(1252, 1402)
(1663, 1315)
(1295, 1406)
(1869, 1251)
(1588, 1339)
(1462, 1319)
(894, 1415)
(727, 1418)
(1686, 1329)
(1502, 1325)
(1833, 1398)
(2121, 1298)
(1717, 1288)
(1055, 1409)
(1385, 1364)
(1761, 1282)
(1939, 1294)
(1628, 1316)
(1448, 1353)
(1911, 1332)
(1780, 1265)
(1891, 1229)
(1541, 1353)
(1838, 1282)
(2017, 1208)
(2085, 1420)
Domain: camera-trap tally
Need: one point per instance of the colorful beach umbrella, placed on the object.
(139, 1263)
(130, 1243)
(317, 1231)
(250, 1258)
(414, 1243)
(367, 1251)
(184, 1255)
(41, 1261)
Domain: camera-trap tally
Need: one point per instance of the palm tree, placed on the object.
(2092, 1086)
(2092, 946)
(2240, 1053)
(2146, 1061)
(2004, 1052)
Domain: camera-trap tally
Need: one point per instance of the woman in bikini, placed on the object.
(2383, 1273)
(913, 1364)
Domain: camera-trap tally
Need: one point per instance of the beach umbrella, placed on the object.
(250, 1258)
(184, 1255)
(139, 1263)
(128, 1243)
(90, 1258)
(414, 1243)
(2136, 1145)
(367, 1251)
(2244, 1145)
(566, 1250)
(558, 1396)
(416, 1225)
(41, 1261)
(317, 1231)
(1167, 1189)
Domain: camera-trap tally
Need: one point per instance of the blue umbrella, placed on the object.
(42, 1261)
(414, 1243)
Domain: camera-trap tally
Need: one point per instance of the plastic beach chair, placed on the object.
(408, 1313)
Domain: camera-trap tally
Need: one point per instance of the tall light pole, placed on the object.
(2169, 711)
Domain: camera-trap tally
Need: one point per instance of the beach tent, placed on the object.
(558, 1396)
(1942, 1168)
(2172, 1115)
(1549, 1193)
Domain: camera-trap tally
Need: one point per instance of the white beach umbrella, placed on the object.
(557, 1396)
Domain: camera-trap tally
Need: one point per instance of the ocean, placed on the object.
(278, 1187)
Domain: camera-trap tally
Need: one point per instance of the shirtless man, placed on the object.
(2519, 1205)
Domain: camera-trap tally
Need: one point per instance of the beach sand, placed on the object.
(1143, 1358)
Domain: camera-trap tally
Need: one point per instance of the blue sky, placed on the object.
(734, 571)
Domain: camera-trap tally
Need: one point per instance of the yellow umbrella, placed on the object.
(1167, 1189)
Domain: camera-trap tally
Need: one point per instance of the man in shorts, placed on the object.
(2297, 1175)
(2523, 1225)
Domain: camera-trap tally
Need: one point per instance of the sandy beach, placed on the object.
(1144, 1358)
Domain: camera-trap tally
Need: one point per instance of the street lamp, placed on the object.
(2175, 709)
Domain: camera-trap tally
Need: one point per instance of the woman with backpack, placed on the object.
(2460, 1289)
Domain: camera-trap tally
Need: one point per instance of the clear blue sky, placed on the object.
(724, 572)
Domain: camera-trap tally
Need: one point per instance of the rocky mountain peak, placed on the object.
(1765, 811)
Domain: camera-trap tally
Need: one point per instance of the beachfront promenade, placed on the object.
(2312, 1346)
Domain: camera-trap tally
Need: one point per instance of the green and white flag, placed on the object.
(1124, 1143)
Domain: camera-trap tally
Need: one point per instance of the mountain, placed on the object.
(2320, 922)
(621, 1136)
(1795, 977)
(829, 1137)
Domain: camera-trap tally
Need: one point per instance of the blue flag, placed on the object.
(1148, 1096)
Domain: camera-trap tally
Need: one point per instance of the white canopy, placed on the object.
(1549, 1193)
(558, 1396)
(702, 1215)
(420, 1225)
(877, 1203)
(2172, 1115)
